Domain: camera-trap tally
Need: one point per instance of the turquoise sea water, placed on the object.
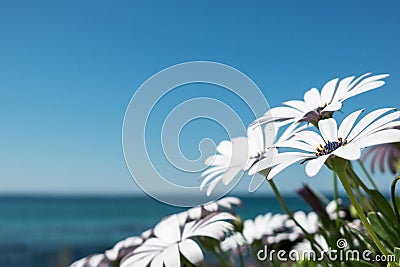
(54, 231)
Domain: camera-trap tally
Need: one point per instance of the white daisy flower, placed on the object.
(331, 209)
(123, 248)
(309, 221)
(198, 212)
(226, 203)
(345, 141)
(263, 226)
(147, 234)
(305, 246)
(232, 242)
(318, 105)
(171, 241)
(95, 260)
(253, 153)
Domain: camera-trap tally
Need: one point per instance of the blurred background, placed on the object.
(68, 70)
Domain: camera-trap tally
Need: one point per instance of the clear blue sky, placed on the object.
(69, 68)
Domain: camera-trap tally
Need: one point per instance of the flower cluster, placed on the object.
(299, 131)
(172, 240)
(310, 134)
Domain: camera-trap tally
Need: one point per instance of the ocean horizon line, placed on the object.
(11, 195)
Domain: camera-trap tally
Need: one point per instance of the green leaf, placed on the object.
(382, 229)
(357, 263)
(396, 253)
(383, 206)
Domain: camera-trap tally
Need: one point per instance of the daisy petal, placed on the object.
(333, 106)
(280, 167)
(216, 175)
(382, 137)
(213, 170)
(328, 129)
(191, 251)
(364, 88)
(255, 140)
(168, 229)
(310, 137)
(212, 185)
(194, 213)
(256, 182)
(380, 123)
(225, 147)
(364, 122)
(283, 113)
(134, 260)
(158, 261)
(260, 166)
(356, 81)
(350, 151)
(348, 123)
(270, 132)
(290, 131)
(297, 104)
(328, 90)
(312, 98)
(342, 89)
(228, 176)
(366, 85)
(171, 256)
(389, 125)
(296, 145)
(314, 165)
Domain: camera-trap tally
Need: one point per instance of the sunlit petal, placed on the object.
(191, 251)
(328, 129)
(382, 137)
(314, 165)
(328, 90)
(350, 152)
(347, 124)
(312, 98)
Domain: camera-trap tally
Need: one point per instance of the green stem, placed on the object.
(357, 180)
(286, 208)
(367, 174)
(340, 169)
(336, 197)
(364, 200)
(393, 195)
(314, 244)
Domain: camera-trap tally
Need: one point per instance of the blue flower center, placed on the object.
(329, 147)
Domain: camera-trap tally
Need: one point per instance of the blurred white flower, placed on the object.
(226, 203)
(171, 241)
(232, 242)
(198, 212)
(95, 260)
(318, 105)
(345, 142)
(123, 248)
(331, 209)
(263, 226)
(305, 246)
(309, 222)
(356, 224)
(146, 234)
(253, 153)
